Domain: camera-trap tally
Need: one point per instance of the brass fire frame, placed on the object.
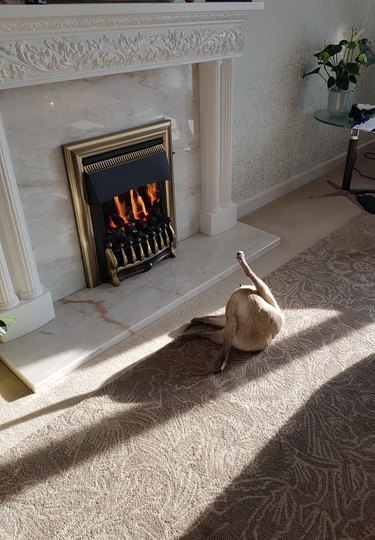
(75, 153)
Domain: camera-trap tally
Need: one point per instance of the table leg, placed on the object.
(350, 159)
(344, 190)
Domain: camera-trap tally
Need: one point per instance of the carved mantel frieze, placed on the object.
(34, 60)
(55, 43)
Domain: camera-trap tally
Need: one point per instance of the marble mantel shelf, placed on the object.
(51, 43)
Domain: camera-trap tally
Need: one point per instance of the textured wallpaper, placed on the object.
(275, 135)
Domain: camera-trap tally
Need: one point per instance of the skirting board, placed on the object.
(261, 199)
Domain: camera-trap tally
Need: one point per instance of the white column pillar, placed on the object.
(18, 272)
(8, 297)
(15, 236)
(226, 135)
(218, 212)
(209, 100)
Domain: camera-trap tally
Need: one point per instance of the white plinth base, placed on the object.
(92, 320)
(220, 221)
(30, 315)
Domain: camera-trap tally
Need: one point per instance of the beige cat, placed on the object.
(252, 318)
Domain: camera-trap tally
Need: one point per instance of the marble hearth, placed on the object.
(66, 76)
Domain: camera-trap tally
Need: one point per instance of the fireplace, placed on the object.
(122, 192)
(79, 51)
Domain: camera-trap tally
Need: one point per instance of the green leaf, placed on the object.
(352, 68)
(311, 72)
(343, 42)
(317, 54)
(333, 49)
(331, 82)
(342, 82)
(324, 57)
(352, 45)
(353, 79)
(8, 320)
(4, 323)
(328, 64)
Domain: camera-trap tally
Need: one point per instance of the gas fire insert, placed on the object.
(122, 192)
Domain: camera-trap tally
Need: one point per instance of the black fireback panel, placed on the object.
(111, 181)
(138, 240)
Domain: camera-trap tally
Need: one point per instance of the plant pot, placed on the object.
(340, 102)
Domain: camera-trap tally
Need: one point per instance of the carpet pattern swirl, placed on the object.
(281, 445)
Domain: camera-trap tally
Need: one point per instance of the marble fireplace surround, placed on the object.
(41, 44)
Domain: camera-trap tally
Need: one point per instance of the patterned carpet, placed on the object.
(281, 445)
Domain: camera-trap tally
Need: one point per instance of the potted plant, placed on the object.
(339, 66)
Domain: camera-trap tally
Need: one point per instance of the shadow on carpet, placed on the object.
(280, 445)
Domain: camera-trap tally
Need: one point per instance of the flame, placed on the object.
(152, 192)
(111, 224)
(137, 203)
(120, 207)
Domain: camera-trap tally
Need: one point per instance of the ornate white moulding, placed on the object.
(52, 43)
(40, 44)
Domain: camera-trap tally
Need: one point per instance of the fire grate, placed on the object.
(122, 193)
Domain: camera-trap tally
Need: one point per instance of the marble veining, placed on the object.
(98, 306)
(60, 113)
(92, 320)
